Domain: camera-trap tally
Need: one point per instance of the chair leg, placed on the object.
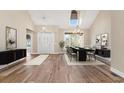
(92, 56)
(95, 57)
(71, 58)
(89, 57)
(76, 58)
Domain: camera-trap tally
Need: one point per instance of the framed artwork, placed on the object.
(11, 38)
(104, 39)
(98, 40)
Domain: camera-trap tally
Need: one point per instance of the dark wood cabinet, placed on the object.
(11, 55)
(103, 52)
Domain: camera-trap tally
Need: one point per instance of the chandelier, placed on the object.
(75, 21)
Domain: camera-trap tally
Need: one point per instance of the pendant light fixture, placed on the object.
(75, 21)
(74, 14)
(74, 18)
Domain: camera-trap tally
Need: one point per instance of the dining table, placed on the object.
(82, 52)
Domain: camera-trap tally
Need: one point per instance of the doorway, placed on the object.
(29, 41)
(45, 42)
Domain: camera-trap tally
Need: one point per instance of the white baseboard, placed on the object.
(121, 74)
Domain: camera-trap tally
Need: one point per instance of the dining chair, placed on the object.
(91, 54)
(72, 54)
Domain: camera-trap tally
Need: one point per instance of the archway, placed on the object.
(29, 43)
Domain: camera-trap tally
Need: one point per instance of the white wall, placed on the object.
(87, 38)
(19, 20)
(34, 42)
(101, 25)
(117, 40)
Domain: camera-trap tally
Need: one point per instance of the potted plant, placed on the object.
(62, 44)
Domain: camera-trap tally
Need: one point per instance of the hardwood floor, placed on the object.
(56, 70)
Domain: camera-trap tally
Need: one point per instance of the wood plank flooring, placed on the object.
(55, 70)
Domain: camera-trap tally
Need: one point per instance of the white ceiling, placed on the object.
(61, 17)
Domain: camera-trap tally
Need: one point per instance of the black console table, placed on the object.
(103, 52)
(9, 56)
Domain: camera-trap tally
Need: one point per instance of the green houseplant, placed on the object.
(61, 44)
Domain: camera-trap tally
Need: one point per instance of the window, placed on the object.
(74, 40)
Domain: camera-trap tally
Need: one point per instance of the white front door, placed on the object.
(45, 42)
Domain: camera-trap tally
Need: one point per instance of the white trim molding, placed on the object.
(121, 74)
